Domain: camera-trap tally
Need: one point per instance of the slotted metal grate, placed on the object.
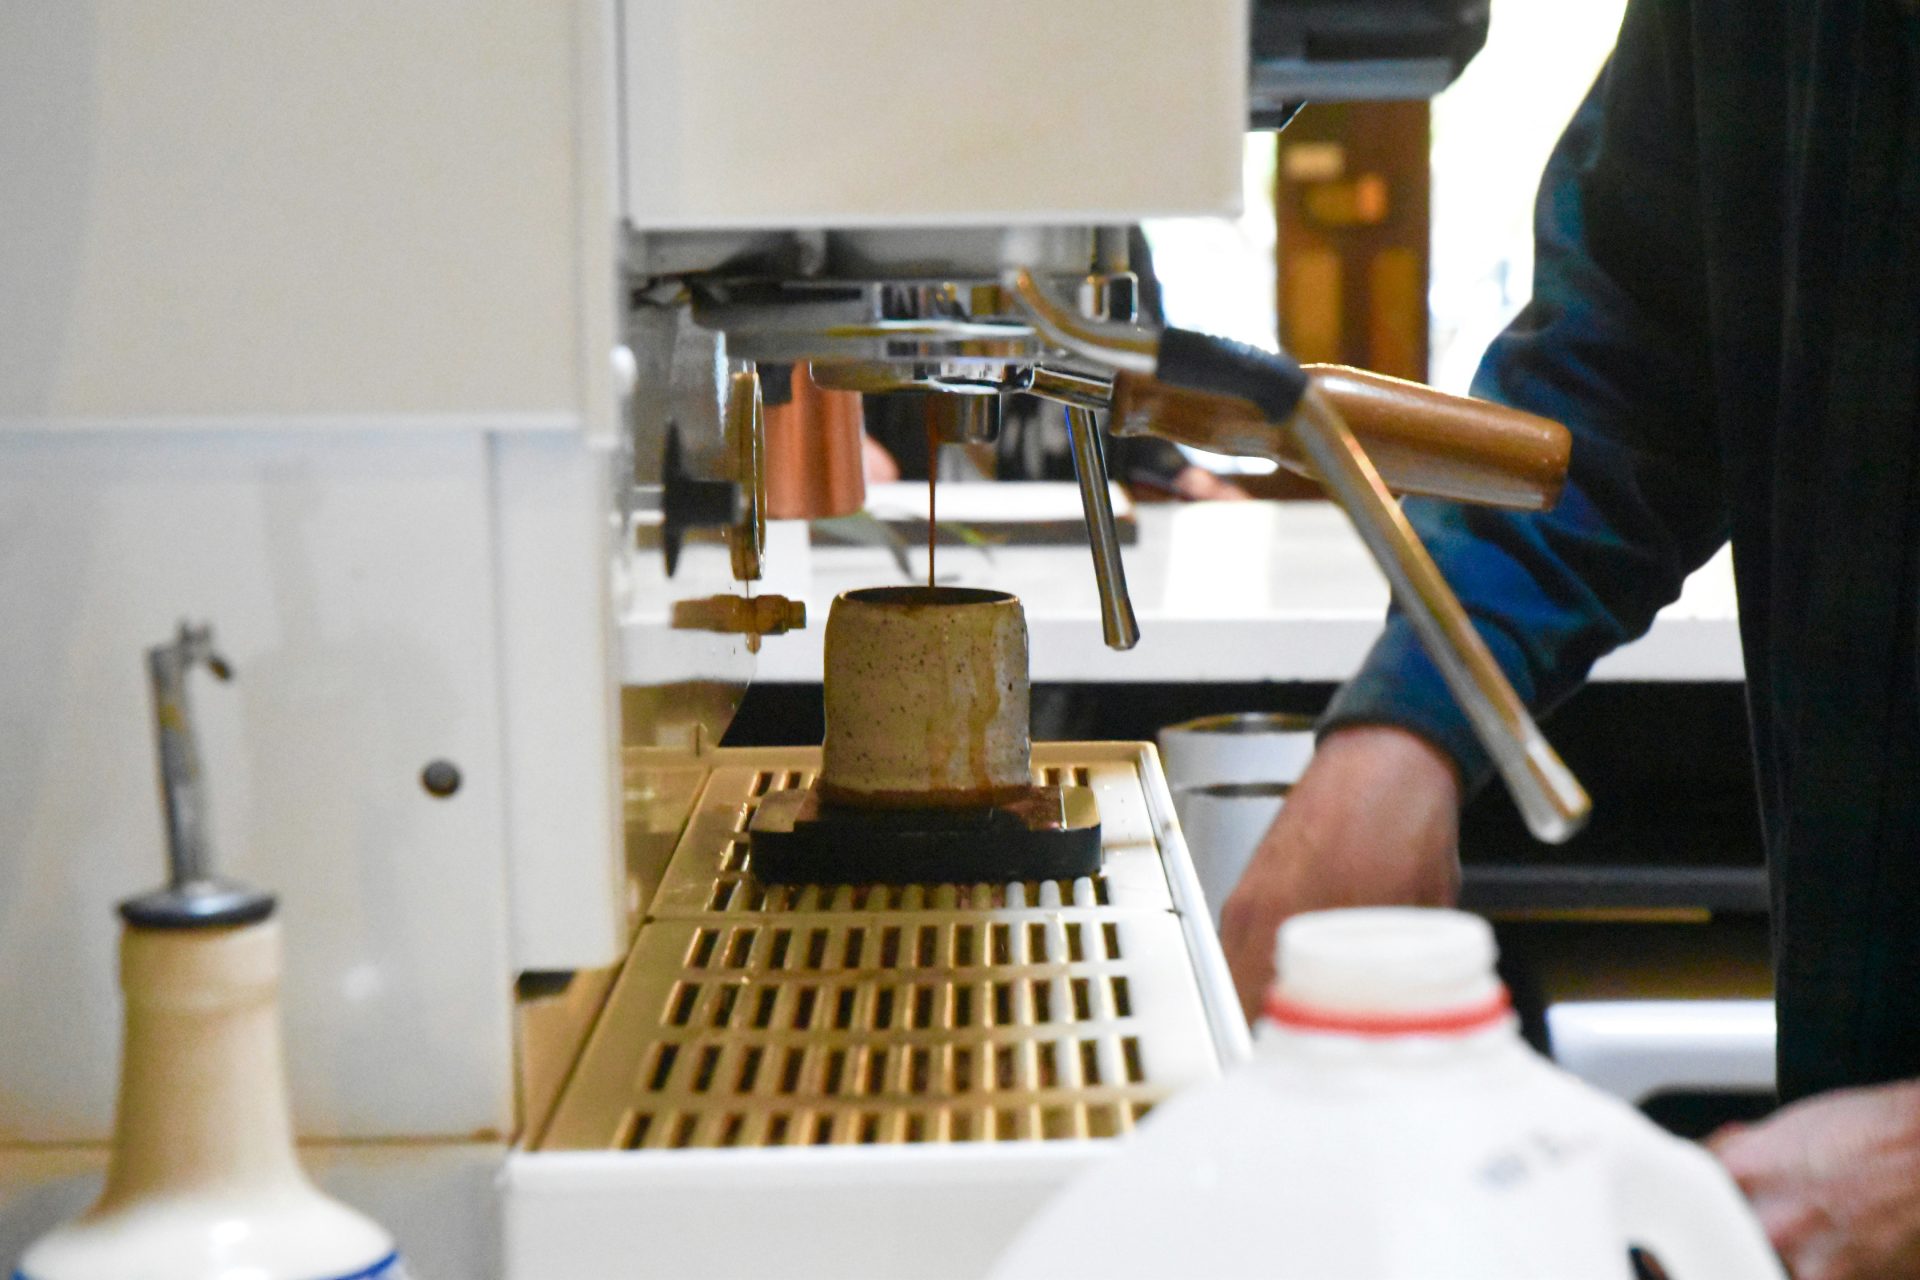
(847, 1015)
(712, 871)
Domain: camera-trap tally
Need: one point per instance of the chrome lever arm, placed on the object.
(1546, 792)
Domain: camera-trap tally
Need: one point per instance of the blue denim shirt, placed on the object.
(1726, 314)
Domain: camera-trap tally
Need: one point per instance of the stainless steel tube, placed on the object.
(1090, 466)
(1064, 386)
(1547, 794)
(1121, 346)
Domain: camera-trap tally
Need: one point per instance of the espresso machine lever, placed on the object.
(1296, 418)
(1549, 797)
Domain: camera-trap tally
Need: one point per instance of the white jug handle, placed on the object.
(1677, 1203)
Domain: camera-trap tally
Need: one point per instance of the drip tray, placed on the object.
(1047, 833)
(889, 1028)
(831, 1080)
(778, 1015)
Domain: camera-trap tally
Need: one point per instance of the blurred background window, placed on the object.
(1492, 132)
(1396, 236)
(1218, 275)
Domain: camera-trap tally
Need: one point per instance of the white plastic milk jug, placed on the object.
(1392, 1125)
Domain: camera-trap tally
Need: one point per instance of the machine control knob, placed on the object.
(687, 502)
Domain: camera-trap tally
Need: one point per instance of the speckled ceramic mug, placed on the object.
(926, 698)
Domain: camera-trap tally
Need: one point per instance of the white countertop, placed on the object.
(1224, 593)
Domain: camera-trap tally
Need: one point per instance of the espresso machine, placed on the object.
(411, 347)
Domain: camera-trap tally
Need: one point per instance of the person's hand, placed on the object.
(1374, 821)
(878, 465)
(1835, 1181)
(1197, 484)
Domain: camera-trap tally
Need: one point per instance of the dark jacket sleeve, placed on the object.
(1614, 345)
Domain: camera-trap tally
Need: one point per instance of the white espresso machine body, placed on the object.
(319, 324)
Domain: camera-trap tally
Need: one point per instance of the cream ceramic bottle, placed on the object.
(1393, 1126)
(202, 1182)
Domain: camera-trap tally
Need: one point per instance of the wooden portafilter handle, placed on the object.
(1422, 441)
(1294, 417)
(1286, 416)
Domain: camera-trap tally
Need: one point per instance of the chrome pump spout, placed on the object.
(194, 897)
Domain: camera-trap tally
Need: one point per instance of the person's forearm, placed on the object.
(1613, 345)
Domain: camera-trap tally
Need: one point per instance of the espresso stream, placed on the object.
(933, 482)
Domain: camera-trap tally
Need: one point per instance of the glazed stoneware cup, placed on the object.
(926, 698)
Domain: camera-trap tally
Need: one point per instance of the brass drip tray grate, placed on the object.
(712, 869)
(748, 1016)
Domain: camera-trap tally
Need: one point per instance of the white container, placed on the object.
(1223, 825)
(1230, 775)
(1098, 130)
(1639, 1049)
(1254, 746)
(1392, 1125)
(202, 1182)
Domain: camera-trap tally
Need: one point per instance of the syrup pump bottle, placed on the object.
(202, 1182)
